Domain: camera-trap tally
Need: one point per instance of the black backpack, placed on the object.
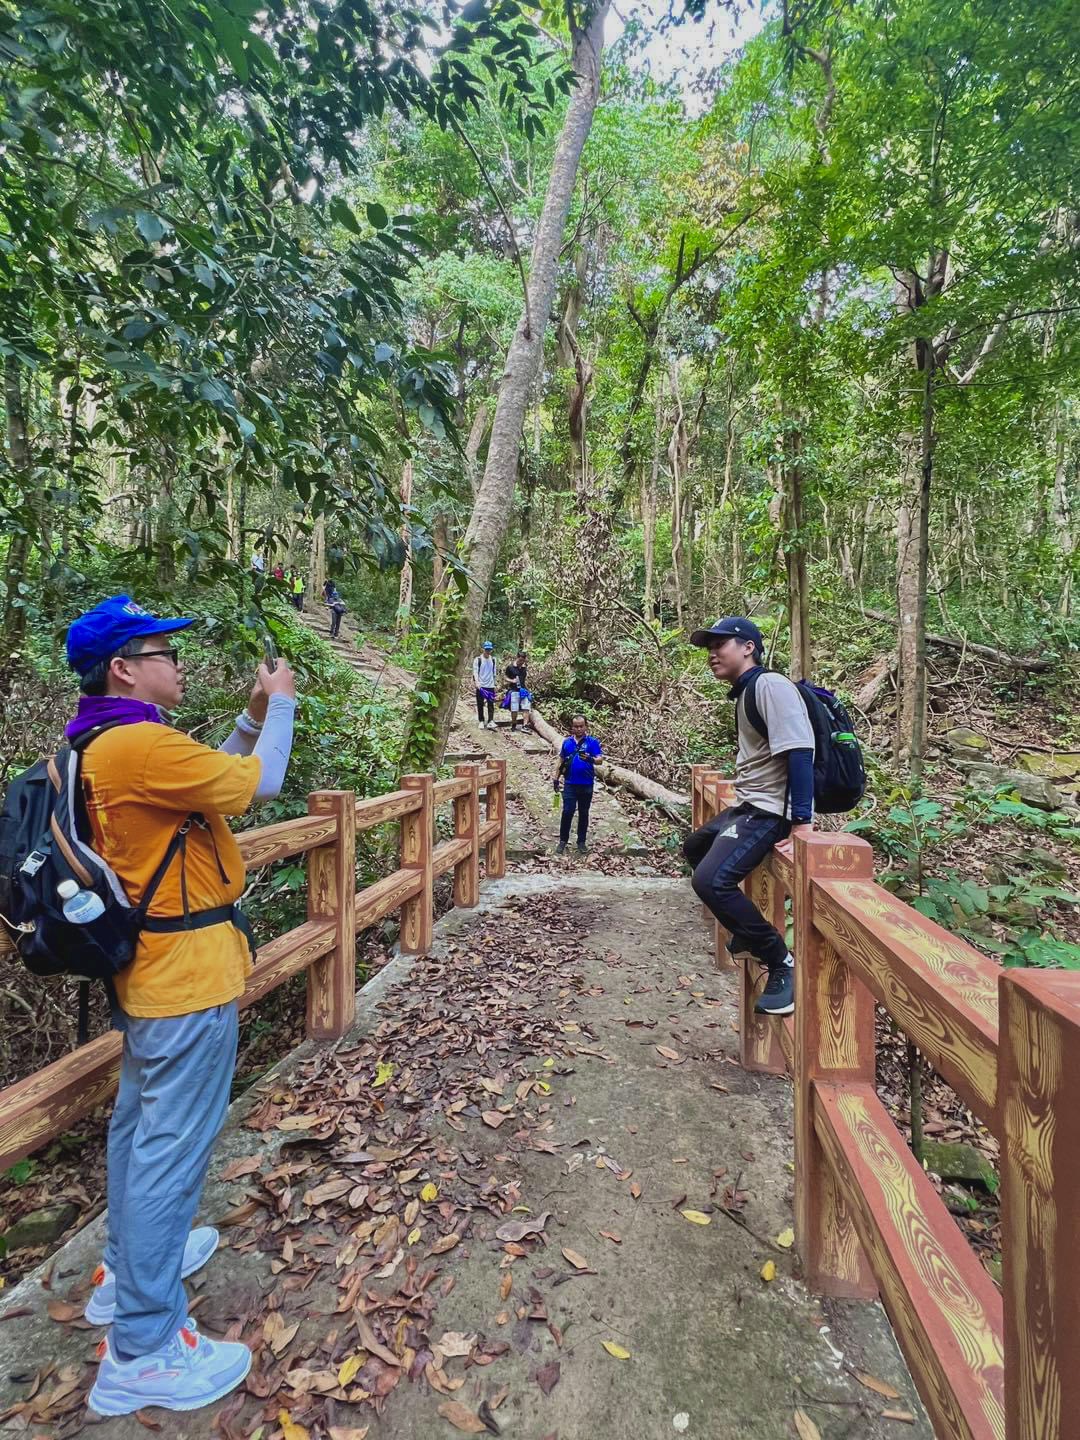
(839, 772)
(45, 839)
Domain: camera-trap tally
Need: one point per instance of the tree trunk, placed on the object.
(18, 555)
(648, 512)
(795, 559)
(457, 625)
(440, 535)
(404, 604)
(317, 566)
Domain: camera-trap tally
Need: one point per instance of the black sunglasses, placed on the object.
(172, 652)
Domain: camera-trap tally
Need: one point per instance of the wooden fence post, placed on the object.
(834, 1040)
(495, 860)
(417, 842)
(467, 827)
(1039, 1104)
(725, 798)
(759, 1043)
(697, 798)
(331, 980)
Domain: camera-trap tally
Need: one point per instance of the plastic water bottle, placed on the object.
(80, 906)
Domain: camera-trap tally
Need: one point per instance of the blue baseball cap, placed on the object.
(101, 632)
(731, 627)
(488, 645)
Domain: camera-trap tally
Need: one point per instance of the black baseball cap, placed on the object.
(732, 626)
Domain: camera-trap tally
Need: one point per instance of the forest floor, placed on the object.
(573, 1195)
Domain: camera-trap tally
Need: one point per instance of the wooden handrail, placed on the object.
(43, 1105)
(988, 1366)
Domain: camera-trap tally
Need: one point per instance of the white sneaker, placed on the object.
(101, 1307)
(491, 725)
(188, 1372)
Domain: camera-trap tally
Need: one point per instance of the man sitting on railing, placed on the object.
(774, 789)
(146, 784)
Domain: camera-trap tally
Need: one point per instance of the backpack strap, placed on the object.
(750, 706)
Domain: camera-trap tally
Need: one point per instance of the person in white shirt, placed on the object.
(484, 672)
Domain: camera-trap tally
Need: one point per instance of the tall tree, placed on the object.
(457, 624)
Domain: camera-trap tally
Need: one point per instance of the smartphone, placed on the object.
(270, 651)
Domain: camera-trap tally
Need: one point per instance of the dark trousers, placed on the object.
(579, 798)
(298, 600)
(335, 623)
(723, 852)
(480, 703)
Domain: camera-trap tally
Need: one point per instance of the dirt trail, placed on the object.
(533, 830)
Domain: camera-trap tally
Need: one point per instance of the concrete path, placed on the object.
(563, 1063)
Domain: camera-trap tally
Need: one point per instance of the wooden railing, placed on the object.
(42, 1106)
(989, 1365)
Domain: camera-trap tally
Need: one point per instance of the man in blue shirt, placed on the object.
(774, 790)
(577, 758)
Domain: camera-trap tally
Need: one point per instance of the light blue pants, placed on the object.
(175, 1077)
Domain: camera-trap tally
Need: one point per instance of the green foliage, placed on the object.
(1009, 916)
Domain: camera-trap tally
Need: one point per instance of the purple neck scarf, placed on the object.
(95, 710)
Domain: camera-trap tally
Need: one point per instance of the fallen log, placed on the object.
(953, 642)
(671, 802)
(873, 692)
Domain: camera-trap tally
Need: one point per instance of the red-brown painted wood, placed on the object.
(331, 895)
(467, 827)
(417, 843)
(943, 1306)
(941, 992)
(834, 1040)
(1040, 1195)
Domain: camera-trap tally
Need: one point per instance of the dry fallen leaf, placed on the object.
(517, 1229)
(444, 1243)
(506, 1284)
(696, 1217)
(147, 1420)
(616, 1351)
(668, 1053)
(904, 1416)
(610, 1235)
(806, 1427)
(278, 1333)
(343, 1432)
(494, 1118)
(880, 1387)
(247, 1165)
(290, 1429)
(786, 1238)
(429, 1192)
(768, 1270)
(455, 1345)
(63, 1311)
(578, 1261)
(547, 1377)
(459, 1417)
(635, 1190)
(371, 1342)
(349, 1367)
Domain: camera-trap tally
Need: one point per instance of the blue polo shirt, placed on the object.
(580, 772)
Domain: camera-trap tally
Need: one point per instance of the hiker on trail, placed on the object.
(298, 590)
(774, 790)
(577, 758)
(336, 606)
(517, 698)
(484, 671)
(279, 573)
(152, 792)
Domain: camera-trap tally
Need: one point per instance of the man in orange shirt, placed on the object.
(146, 783)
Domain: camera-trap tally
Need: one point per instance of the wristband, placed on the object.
(248, 725)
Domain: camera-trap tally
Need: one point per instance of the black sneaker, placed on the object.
(560, 849)
(581, 849)
(778, 997)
